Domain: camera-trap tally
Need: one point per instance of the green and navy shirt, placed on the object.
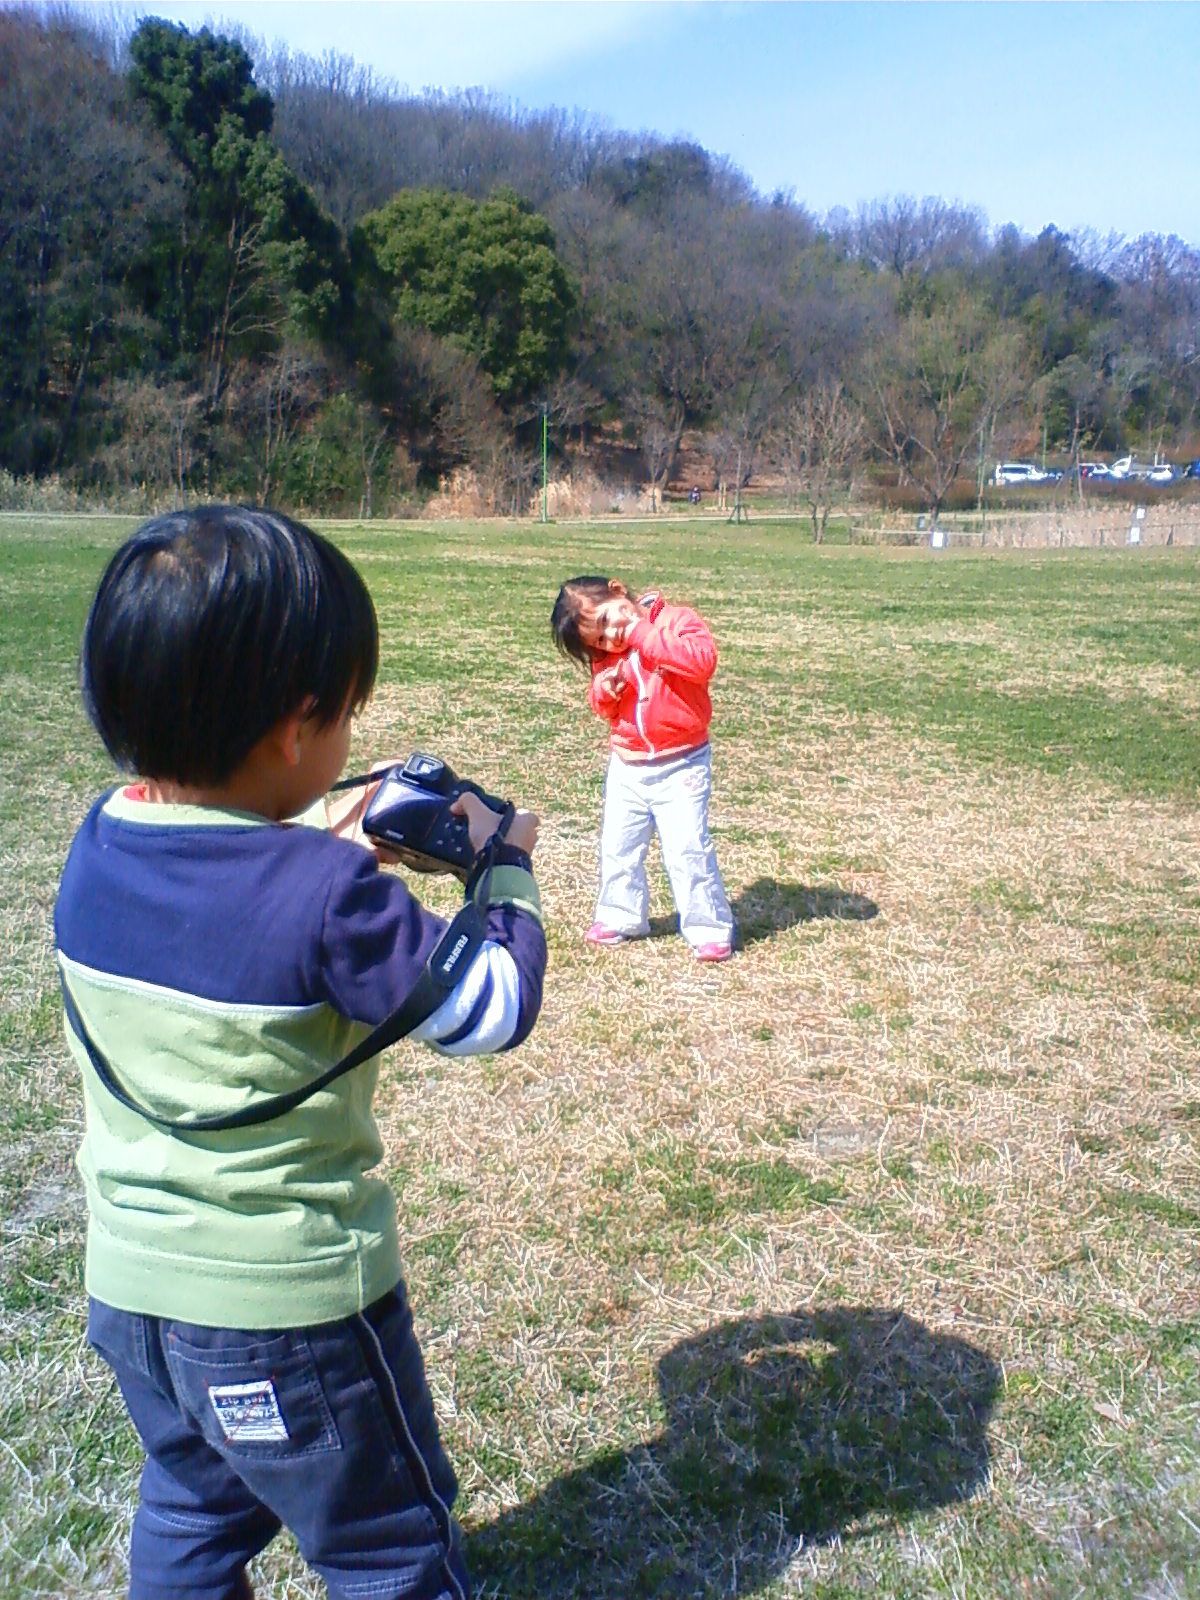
(216, 958)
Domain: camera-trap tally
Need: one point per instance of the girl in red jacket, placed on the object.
(650, 663)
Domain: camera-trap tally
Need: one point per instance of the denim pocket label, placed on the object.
(248, 1411)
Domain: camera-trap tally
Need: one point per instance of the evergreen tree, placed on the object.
(256, 260)
(483, 275)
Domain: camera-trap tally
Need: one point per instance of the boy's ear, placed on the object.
(288, 733)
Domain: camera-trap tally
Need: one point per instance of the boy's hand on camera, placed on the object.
(344, 811)
(482, 823)
(523, 831)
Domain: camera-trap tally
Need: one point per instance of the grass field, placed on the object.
(865, 1264)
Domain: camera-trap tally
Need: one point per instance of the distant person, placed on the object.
(651, 664)
(694, 496)
(245, 1283)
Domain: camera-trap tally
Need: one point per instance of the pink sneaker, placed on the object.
(598, 934)
(713, 952)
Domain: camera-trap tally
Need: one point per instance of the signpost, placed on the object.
(545, 424)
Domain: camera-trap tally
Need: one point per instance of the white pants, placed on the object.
(671, 796)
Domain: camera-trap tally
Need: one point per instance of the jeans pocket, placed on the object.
(258, 1397)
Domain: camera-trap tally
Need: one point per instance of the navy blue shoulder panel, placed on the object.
(238, 913)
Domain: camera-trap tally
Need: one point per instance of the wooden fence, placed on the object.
(1113, 526)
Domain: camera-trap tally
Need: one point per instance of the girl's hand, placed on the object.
(610, 684)
(482, 823)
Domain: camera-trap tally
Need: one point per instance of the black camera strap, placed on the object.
(455, 951)
(360, 781)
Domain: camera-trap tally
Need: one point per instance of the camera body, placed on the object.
(410, 814)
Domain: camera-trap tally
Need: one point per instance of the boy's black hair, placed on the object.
(564, 619)
(210, 626)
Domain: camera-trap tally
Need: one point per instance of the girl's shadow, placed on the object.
(766, 907)
(778, 1430)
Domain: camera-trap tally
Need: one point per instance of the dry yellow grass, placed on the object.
(968, 1068)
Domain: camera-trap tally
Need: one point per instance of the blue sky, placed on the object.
(1081, 114)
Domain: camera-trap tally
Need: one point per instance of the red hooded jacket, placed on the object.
(664, 708)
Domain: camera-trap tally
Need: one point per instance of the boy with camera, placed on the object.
(219, 966)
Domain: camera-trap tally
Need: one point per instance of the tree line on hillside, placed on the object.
(228, 270)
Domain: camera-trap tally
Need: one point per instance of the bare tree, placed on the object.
(507, 475)
(335, 122)
(745, 412)
(930, 393)
(658, 427)
(818, 447)
(373, 439)
(1003, 380)
(271, 401)
(1077, 390)
(1160, 315)
(438, 399)
(904, 235)
(156, 434)
(692, 333)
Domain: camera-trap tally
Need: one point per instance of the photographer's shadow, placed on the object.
(779, 1430)
(766, 906)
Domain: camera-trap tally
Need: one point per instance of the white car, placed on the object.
(1019, 472)
(1131, 467)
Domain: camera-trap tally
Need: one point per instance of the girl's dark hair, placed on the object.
(209, 627)
(564, 619)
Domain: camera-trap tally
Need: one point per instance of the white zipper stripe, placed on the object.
(643, 696)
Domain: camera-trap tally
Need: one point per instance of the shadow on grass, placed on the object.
(765, 907)
(780, 1430)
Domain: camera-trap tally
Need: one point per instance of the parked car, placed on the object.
(1192, 470)
(1018, 472)
(1129, 467)
(1089, 469)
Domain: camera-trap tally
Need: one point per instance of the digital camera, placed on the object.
(410, 814)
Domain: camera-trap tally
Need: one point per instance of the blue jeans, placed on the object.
(328, 1431)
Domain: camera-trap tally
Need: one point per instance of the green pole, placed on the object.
(545, 518)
